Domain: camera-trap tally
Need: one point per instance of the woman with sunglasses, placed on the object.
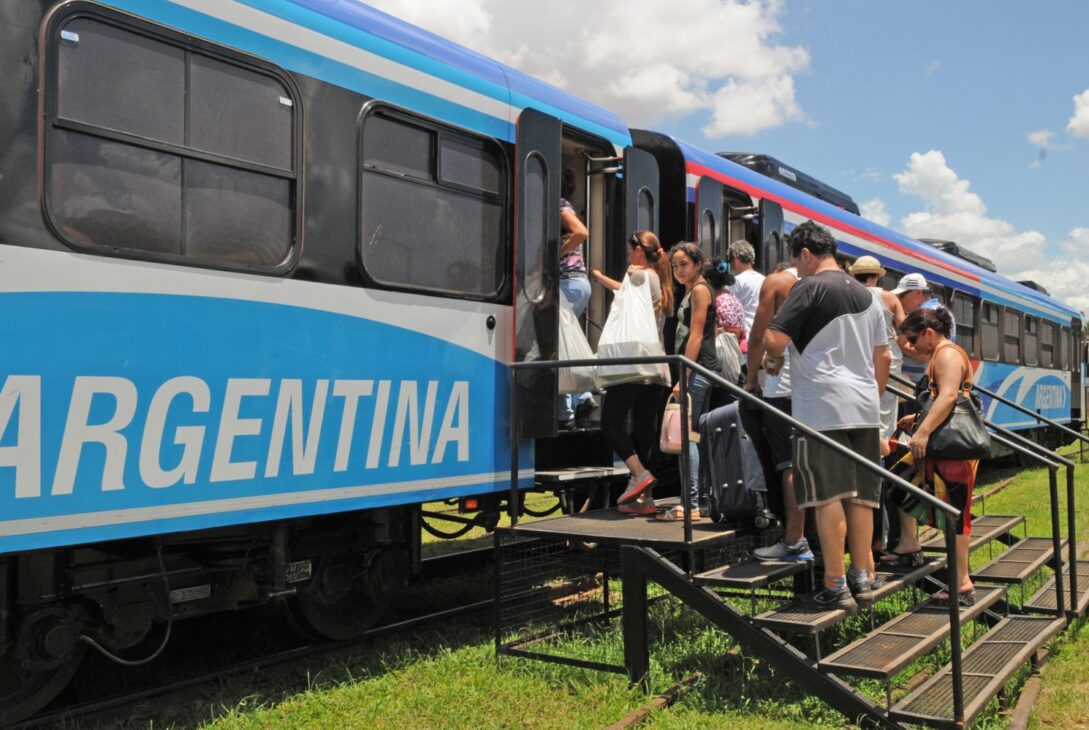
(647, 262)
(948, 373)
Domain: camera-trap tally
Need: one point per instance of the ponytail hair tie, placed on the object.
(722, 267)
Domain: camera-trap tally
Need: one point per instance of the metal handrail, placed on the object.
(1052, 461)
(956, 658)
(1006, 401)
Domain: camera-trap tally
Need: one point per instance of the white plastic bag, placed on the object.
(573, 346)
(728, 350)
(630, 331)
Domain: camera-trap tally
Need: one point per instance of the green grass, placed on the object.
(450, 677)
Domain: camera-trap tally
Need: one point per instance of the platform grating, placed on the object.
(984, 529)
(893, 646)
(1045, 600)
(988, 665)
(1017, 564)
(750, 574)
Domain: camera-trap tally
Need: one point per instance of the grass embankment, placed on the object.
(450, 677)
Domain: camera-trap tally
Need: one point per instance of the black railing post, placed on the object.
(682, 379)
(1072, 538)
(1056, 539)
(953, 590)
(636, 651)
(513, 502)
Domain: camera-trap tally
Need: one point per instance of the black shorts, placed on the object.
(822, 475)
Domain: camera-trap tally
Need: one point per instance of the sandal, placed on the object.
(965, 598)
(893, 559)
(676, 514)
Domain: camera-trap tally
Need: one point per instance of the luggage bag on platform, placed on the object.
(731, 469)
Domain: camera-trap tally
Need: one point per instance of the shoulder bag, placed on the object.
(963, 434)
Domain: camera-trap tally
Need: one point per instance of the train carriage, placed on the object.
(1025, 346)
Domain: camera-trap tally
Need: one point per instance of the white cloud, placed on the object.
(933, 67)
(714, 58)
(1041, 138)
(874, 210)
(1065, 277)
(953, 212)
(1079, 123)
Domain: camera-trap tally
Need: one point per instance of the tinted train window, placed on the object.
(1066, 349)
(161, 152)
(644, 215)
(964, 312)
(433, 207)
(1011, 336)
(1031, 340)
(988, 331)
(1047, 345)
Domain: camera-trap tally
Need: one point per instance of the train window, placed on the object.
(433, 208)
(964, 313)
(1066, 349)
(158, 151)
(1047, 345)
(707, 232)
(645, 211)
(988, 331)
(471, 164)
(1031, 340)
(536, 228)
(890, 279)
(113, 79)
(239, 114)
(1011, 336)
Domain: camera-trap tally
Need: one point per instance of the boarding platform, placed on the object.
(594, 567)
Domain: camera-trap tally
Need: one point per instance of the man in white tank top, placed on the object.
(868, 271)
(771, 435)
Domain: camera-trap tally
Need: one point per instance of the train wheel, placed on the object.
(348, 594)
(26, 691)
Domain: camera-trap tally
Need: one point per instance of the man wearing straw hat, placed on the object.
(868, 271)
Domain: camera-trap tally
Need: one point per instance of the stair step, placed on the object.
(798, 619)
(1021, 561)
(751, 574)
(890, 648)
(987, 665)
(1045, 600)
(984, 529)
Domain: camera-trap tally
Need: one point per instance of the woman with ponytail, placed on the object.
(648, 262)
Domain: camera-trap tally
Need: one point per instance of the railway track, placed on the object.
(460, 563)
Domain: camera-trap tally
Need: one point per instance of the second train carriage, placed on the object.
(1026, 346)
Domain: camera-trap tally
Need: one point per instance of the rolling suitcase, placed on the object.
(730, 468)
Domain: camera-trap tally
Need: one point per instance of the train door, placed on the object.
(537, 171)
(772, 248)
(709, 233)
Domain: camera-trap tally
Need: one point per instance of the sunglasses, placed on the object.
(911, 338)
(634, 243)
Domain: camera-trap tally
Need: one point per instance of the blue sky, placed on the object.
(970, 79)
(921, 111)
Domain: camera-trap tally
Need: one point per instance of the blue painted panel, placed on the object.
(1045, 391)
(135, 343)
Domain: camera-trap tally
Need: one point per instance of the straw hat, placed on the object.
(866, 265)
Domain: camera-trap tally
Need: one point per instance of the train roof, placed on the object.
(352, 45)
(857, 236)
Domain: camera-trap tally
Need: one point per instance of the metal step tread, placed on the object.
(984, 529)
(1045, 600)
(890, 648)
(1019, 563)
(750, 574)
(987, 665)
(577, 473)
(798, 619)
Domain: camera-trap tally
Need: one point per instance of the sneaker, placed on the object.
(584, 412)
(863, 589)
(637, 484)
(829, 599)
(781, 551)
(638, 508)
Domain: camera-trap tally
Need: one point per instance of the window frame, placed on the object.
(984, 324)
(1052, 330)
(1007, 312)
(1026, 351)
(439, 128)
(957, 295)
(51, 120)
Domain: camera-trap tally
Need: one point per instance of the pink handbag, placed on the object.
(669, 442)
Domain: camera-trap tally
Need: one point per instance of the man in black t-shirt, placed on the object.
(839, 360)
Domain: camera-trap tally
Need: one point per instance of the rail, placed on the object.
(1038, 453)
(684, 364)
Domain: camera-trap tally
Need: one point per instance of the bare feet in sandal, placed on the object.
(676, 514)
